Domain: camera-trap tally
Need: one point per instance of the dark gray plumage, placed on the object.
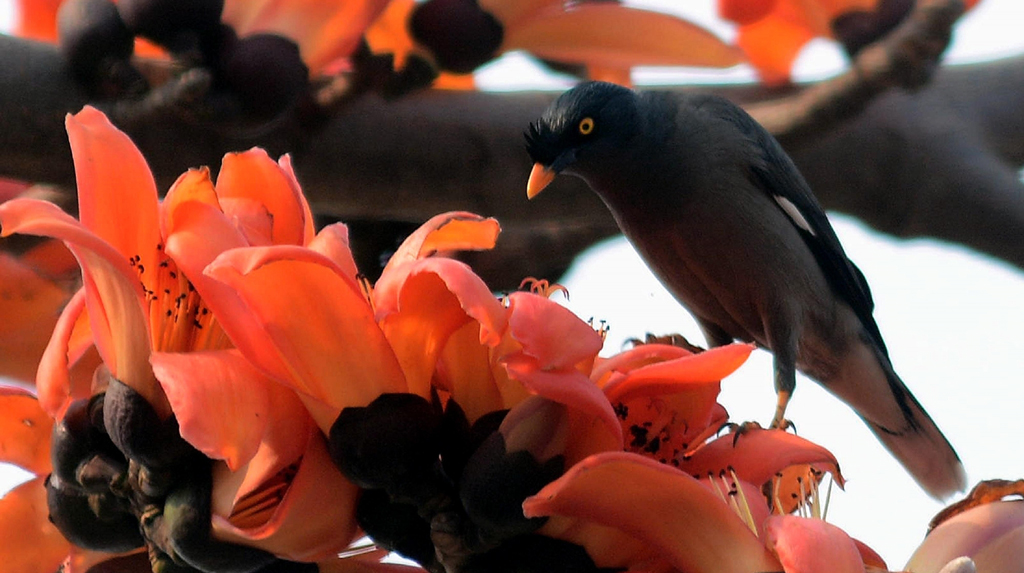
(724, 219)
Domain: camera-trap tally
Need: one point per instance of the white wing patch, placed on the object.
(794, 214)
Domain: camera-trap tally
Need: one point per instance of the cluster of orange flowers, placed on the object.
(606, 39)
(222, 314)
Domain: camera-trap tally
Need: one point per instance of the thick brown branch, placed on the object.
(939, 162)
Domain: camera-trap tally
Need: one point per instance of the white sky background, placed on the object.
(951, 320)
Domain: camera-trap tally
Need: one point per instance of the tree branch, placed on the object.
(938, 162)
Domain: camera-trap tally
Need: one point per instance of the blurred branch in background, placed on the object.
(939, 161)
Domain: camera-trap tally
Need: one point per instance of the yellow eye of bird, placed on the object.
(586, 126)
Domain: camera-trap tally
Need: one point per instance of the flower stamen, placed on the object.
(543, 288)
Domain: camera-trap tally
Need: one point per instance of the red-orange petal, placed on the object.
(633, 358)
(568, 387)
(830, 9)
(771, 45)
(693, 529)
(389, 33)
(117, 198)
(81, 560)
(510, 13)
(669, 376)
(113, 293)
(447, 232)
(285, 441)
(24, 431)
(223, 404)
(612, 34)
(869, 556)
(254, 176)
(438, 297)
(551, 333)
(809, 545)
(309, 231)
(29, 543)
(53, 377)
(757, 455)
(314, 329)
(37, 19)
(464, 371)
(314, 520)
(744, 11)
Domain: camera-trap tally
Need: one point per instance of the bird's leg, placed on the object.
(714, 334)
(785, 382)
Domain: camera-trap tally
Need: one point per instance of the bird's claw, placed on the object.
(738, 430)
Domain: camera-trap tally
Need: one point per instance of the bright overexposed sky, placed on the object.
(950, 317)
(951, 320)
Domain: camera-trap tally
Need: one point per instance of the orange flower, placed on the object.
(772, 32)
(429, 321)
(143, 308)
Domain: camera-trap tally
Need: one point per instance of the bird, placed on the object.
(724, 219)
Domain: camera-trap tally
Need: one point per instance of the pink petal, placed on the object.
(808, 545)
(573, 389)
(757, 455)
(691, 527)
(971, 533)
(224, 405)
(551, 333)
(29, 543)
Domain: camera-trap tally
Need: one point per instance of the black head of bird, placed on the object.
(725, 220)
(583, 127)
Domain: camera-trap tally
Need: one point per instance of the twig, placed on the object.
(907, 58)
